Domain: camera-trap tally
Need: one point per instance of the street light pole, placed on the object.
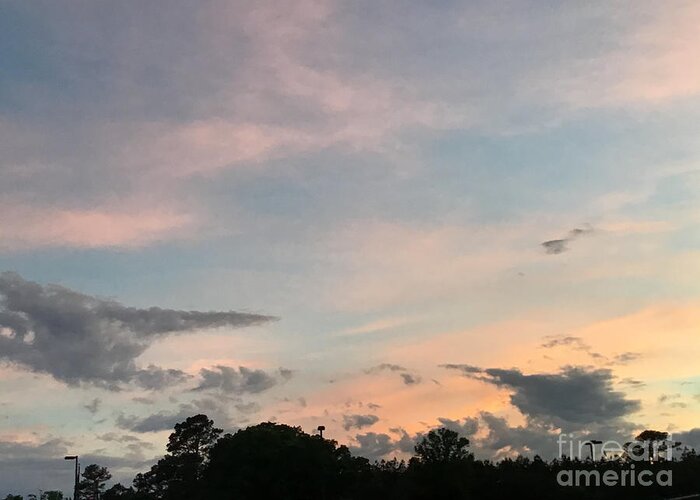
(77, 474)
(591, 444)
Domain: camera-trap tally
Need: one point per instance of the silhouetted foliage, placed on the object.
(282, 462)
(177, 475)
(118, 491)
(276, 461)
(93, 483)
(442, 446)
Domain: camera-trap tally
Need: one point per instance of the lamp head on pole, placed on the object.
(70, 457)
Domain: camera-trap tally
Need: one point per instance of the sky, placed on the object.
(381, 217)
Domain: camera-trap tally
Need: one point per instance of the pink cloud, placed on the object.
(655, 60)
(27, 226)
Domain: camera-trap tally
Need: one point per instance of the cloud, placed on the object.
(157, 422)
(77, 338)
(633, 383)
(372, 445)
(157, 378)
(468, 427)
(34, 226)
(667, 397)
(577, 343)
(626, 357)
(28, 465)
(555, 247)
(574, 398)
(113, 437)
(407, 377)
(375, 446)
(557, 341)
(502, 440)
(465, 369)
(238, 381)
(166, 420)
(359, 421)
(410, 379)
(248, 408)
(689, 438)
(385, 366)
(143, 400)
(93, 406)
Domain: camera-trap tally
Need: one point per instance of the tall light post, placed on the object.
(320, 429)
(591, 444)
(77, 474)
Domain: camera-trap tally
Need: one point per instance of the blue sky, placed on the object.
(380, 179)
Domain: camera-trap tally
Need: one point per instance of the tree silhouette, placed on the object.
(93, 483)
(118, 491)
(653, 442)
(177, 474)
(442, 446)
(195, 436)
(277, 461)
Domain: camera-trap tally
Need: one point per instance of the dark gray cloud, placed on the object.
(552, 341)
(160, 421)
(465, 369)
(239, 381)
(93, 406)
(577, 343)
(574, 397)
(156, 378)
(689, 438)
(410, 379)
(375, 446)
(359, 421)
(571, 399)
(555, 247)
(633, 383)
(407, 377)
(384, 367)
(502, 440)
(466, 427)
(626, 357)
(492, 437)
(166, 420)
(78, 338)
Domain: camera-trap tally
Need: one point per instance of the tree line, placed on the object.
(281, 462)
